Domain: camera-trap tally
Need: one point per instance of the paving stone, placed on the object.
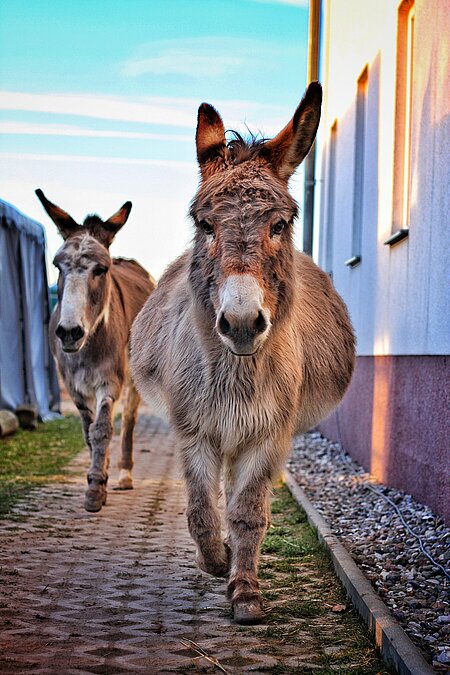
(119, 591)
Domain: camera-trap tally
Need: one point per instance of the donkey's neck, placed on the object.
(103, 318)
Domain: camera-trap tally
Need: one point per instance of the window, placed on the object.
(330, 199)
(358, 175)
(403, 108)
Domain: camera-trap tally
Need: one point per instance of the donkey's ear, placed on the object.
(65, 223)
(209, 139)
(290, 147)
(113, 224)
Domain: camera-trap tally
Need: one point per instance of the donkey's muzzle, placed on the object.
(70, 337)
(242, 331)
(242, 321)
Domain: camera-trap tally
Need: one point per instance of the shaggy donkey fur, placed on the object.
(244, 342)
(98, 298)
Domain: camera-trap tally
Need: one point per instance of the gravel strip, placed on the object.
(417, 592)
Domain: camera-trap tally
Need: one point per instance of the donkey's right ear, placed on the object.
(210, 140)
(65, 223)
(290, 147)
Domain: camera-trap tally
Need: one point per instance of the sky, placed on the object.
(99, 100)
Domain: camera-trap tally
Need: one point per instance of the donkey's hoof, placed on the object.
(95, 498)
(217, 566)
(247, 612)
(125, 481)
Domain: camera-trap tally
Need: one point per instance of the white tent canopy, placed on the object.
(27, 369)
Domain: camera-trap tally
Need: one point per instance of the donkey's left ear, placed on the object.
(117, 221)
(290, 147)
(210, 140)
(65, 223)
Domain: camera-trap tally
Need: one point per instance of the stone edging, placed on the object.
(396, 648)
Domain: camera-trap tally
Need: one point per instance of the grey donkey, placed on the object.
(244, 343)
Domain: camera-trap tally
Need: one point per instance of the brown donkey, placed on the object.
(245, 342)
(98, 298)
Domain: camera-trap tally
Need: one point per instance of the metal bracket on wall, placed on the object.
(353, 261)
(396, 236)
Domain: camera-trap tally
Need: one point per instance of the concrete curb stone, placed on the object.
(397, 649)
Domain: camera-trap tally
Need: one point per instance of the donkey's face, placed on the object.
(83, 289)
(243, 251)
(84, 264)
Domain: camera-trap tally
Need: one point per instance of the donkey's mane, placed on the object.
(94, 225)
(242, 149)
(91, 220)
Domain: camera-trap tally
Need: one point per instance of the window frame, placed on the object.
(331, 198)
(362, 85)
(401, 198)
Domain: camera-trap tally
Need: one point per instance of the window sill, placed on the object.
(353, 261)
(396, 236)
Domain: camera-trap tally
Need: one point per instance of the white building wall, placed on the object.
(398, 297)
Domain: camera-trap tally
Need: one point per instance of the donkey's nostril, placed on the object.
(60, 332)
(260, 323)
(77, 333)
(223, 325)
(69, 334)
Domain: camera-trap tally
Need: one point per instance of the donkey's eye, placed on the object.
(278, 228)
(206, 227)
(99, 271)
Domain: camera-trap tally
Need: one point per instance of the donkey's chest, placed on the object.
(233, 413)
(83, 380)
(238, 420)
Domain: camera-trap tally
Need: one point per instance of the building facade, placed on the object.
(382, 231)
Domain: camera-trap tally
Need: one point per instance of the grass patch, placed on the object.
(279, 544)
(297, 609)
(290, 537)
(32, 458)
(300, 589)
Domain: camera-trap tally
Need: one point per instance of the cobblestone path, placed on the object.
(119, 591)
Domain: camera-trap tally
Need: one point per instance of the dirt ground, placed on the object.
(119, 591)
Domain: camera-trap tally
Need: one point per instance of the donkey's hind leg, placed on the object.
(202, 465)
(129, 417)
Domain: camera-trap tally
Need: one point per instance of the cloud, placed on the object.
(174, 164)
(199, 57)
(202, 57)
(172, 112)
(157, 230)
(34, 129)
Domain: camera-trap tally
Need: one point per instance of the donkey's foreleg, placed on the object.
(100, 434)
(201, 465)
(87, 417)
(129, 417)
(247, 516)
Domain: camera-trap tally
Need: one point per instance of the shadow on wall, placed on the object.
(394, 421)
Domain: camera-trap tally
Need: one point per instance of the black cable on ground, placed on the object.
(373, 489)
